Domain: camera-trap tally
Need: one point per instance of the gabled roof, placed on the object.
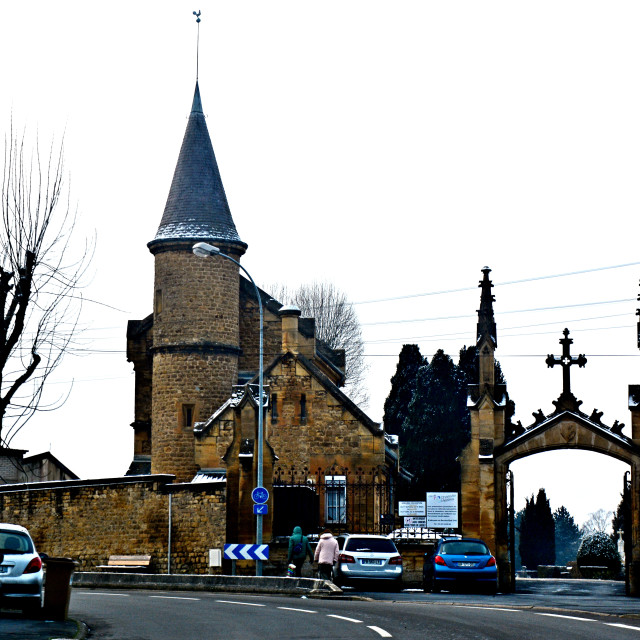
(325, 381)
(197, 207)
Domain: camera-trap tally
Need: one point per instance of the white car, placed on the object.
(20, 570)
(368, 557)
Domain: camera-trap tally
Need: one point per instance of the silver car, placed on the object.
(368, 557)
(20, 570)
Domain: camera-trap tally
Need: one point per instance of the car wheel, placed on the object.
(426, 585)
(493, 589)
(434, 586)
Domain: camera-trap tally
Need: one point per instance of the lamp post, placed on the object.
(204, 250)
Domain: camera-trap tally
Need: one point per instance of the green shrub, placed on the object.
(599, 550)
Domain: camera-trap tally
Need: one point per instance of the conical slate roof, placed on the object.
(197, 207)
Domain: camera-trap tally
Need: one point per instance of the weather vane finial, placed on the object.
(197, 15)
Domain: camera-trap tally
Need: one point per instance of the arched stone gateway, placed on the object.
(494, 445)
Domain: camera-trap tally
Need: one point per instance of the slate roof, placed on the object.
(197, 207)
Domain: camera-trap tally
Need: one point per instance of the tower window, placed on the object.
(303, 408)
(158, 301)
(187, 416)
(274, 407)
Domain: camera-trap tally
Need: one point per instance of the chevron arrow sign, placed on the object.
(246, 551)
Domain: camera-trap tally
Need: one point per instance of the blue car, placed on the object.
(460, 562)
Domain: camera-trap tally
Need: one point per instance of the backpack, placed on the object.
(297, 549)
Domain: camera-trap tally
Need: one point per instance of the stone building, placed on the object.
(16, 468)
(196, 364)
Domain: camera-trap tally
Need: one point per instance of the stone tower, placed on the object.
(195, 315)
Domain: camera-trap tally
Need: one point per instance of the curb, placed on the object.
(194, 582)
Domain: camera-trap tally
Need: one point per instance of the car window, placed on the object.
(465, 548)
(379, 545)
(15, 542)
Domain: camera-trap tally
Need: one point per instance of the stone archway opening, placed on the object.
(595, 481)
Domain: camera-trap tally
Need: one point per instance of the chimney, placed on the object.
(290, 335)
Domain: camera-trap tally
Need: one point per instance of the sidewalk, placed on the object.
(16, 626)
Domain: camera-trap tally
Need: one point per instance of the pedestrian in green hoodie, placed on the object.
(299, 549)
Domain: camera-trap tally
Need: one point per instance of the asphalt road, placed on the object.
(146, 615)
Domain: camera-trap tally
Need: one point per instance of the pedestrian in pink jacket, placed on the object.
(326, 555)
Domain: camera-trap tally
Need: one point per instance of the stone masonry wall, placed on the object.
(199, 380)
(198, 299)
(329, 435)
(91, 520)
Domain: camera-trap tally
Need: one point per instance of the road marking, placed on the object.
(100, 593)
(622, 626)
(174, 598)
(246, 604)
(471, 606)
(557, 615)
(382, 632)
(294, 609)
(333, 615)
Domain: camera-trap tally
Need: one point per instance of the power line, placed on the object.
(500, 284)
(498, 314)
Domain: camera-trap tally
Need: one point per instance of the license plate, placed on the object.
(466, 564)
(371, 561)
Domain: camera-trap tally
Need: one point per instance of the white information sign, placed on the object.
(415, 521)
(411, 509)
(442, 510)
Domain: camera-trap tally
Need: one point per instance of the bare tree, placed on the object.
(40, 279)
(598, 522)
(337, 325)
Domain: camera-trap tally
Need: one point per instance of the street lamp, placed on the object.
(205, 250)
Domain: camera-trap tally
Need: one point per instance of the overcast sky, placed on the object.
(392, 148)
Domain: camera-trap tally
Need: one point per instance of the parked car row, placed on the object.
(454, 563)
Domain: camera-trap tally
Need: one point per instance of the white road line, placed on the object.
(471, 606)
(294, 609)
(246, 604)
(100, 593)
(174, 598)
(557, 615)
(622, 626)
(381, 632)
(333, 615)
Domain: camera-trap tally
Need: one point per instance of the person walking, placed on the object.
(299, 549)
(326, 555)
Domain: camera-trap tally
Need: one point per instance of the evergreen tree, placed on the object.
(437, 426)
(598, 549)
(567, 536)
(403, 386)
(537, 533)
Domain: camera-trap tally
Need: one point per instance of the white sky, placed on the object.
(393, 148)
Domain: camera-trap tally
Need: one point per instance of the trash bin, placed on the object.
(57, 587)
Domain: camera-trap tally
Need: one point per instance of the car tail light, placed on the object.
(396, 560)
(34, 566)
(491, 562)
(346, 558)
(440, 560)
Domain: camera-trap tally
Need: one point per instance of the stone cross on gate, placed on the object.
(566, 360)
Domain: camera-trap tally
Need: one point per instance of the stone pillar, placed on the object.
(634, 561)
(501, 528)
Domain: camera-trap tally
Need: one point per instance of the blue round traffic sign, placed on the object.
(259, 495)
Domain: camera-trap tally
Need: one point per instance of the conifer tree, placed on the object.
(537, 532)
(437, 426)
(567, 535)
(403, 386)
